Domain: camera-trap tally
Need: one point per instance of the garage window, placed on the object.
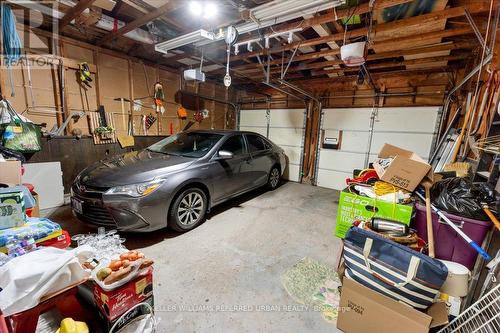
(255, 143)
(234, 145)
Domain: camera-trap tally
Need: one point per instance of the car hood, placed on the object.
(131, 168)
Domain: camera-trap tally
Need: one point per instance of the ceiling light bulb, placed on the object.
(210, 10)
(195, 8)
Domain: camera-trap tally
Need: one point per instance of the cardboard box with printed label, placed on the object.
(354, 207)
(112, 304)
(363, 310)
(406, 170)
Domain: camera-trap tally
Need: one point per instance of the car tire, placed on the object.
(188, 210)
(274, 178)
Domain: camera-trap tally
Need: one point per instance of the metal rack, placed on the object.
(482, 317)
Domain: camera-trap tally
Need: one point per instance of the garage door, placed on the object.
(345, 136)
(285, 127)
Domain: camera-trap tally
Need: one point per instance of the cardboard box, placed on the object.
(112, 304)
(12, 210)
(406, 170)
(364, 310)
(10, 172)
(356, 207)
(121, 322)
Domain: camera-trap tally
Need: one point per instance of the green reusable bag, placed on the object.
(19, 135)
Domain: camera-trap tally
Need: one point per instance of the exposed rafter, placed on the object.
(74, 12)
(168, 6)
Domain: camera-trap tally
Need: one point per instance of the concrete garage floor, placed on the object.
(235, 260)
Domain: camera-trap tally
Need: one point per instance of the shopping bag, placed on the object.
(19, 135)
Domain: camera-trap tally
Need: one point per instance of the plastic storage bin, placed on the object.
(447, 243)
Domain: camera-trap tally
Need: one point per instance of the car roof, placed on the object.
(222, 132)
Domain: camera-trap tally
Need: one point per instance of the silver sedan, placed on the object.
(176, 181)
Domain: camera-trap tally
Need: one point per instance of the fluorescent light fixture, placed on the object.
(266, 15)
(277, 11)
(190, 38)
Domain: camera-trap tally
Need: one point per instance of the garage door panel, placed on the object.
(292, 172)
(293, 154)
(260, 130)
(253, 118)
(418, 143)
(411, 128)
(286, 136)
(287, 118)
(353, 141)
(416, 119)
(339, 160)
(332, 179)
(353, 119)
(286, 129)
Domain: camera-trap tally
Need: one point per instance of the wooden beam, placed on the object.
(391, 64)
(117, 8)
(88, 46)
(74, 12)
(139, 22)
(418, 77)
(377, 56)
(391, 26)
(331, 17)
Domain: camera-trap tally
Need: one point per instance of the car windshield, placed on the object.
(188, 144)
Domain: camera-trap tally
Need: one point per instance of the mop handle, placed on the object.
(473, 244)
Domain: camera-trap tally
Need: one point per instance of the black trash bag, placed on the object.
(461, 197)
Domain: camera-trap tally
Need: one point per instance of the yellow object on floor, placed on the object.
(68, 325)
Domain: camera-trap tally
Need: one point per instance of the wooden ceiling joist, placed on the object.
(370, 57)
(376, 56)
(403, 63)
(392, 26)
(168, 6)
(331, 16)
(74, 12)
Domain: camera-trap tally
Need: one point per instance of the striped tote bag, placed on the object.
(392, 269)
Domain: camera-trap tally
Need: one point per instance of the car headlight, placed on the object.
(136, 190)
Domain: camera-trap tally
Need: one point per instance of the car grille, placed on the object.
(90, 191)
(96, 215)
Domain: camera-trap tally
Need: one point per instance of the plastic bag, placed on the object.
(460, 196)
(19, 135)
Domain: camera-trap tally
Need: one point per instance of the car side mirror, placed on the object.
(224, 155)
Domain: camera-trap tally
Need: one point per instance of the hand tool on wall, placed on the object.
(471, 243)
(84, 74)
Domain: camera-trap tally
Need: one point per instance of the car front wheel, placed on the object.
(188, 210)
(274, 178)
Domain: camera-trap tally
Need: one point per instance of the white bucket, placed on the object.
(353, 54)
